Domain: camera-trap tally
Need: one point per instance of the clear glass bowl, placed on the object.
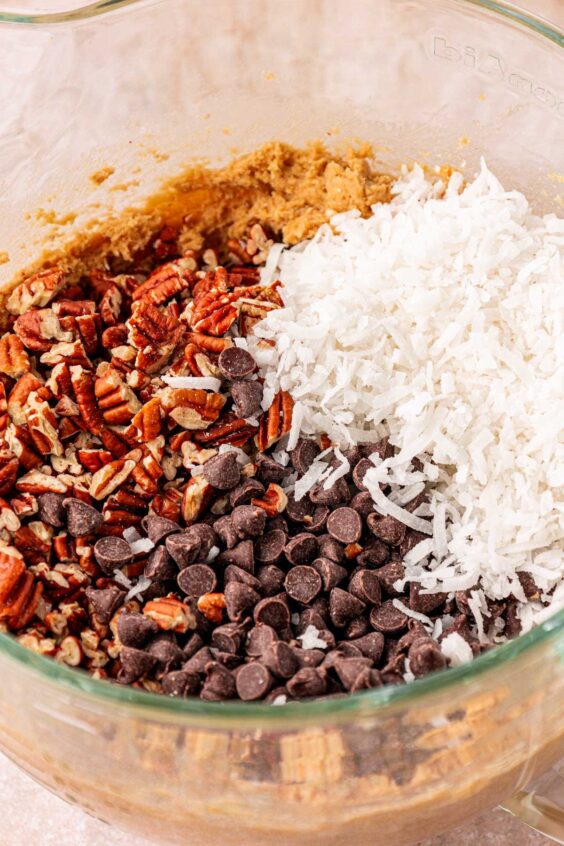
(141, 88)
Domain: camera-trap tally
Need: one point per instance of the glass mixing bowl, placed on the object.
(133, 90)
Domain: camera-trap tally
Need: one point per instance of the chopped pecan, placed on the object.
(9, 520)
(273, 501)
(42, 425)
(147, 472)
(64, 548)
(59, 382)
(228, 430)
(36, 642)
(9, 466)
(17, 607)
(195, 499)
(34, 541)
(170, 614)
(192, 408)
(24, 505)
(167, 504)
(216, 310)
(275, 422)
(84, 391)
(110, 305)
(84, 328)
(17, 399)
(71, 353)
(3, 411)
(36, 291)
(39, 330)
(114, 443)
(73, 308)
(14, 360)
(106, 480)
(37, 482)
(70, 652)
(114, 336)
(93, 459)
(167, 282)
(12, 567)
(66, 407)
(147, 423)
(212, 605)
(116, 400)
(19, 440)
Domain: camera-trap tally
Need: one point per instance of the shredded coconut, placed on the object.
(139, 588)
(310, 639)
(206, 383)
(131, 534)
(456, 649)
(141, 545)
(438, 321)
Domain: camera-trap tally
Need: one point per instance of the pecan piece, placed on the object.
(228, 430)
(212, 605)
(71, 353)
(167, 504)
(9, 465)
(147, 472)
(12, 568)
(192, 408)
(39, 330)
(195, 499)
(116, 400)
(273, 501)
(14, 361)
(3, 411)
(146, 424)
(34, 541)
(17, 399)
(37, 290)
(84, 391)
(112, 476)
(275, 422)
(110, 305)
(42, 426)
(170, 614)
(167, 281)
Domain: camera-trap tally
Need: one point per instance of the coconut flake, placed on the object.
(139, 588)
(212, 554)
(281, 699)
(131, 534)
(386, 507)
(415, 615)
(310, 639)
(457, 650)
(205, 383)
(141, 545)
(122, 579)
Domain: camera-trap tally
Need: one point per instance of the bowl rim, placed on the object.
(306, 712)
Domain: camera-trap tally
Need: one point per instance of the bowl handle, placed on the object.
(541, 805)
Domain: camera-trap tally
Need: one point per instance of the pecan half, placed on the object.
(166, 282)
(196, 498)
(14, 361)
(191, 408)
(106, 480)
(275, 422)
(39, 330)
(116, 400)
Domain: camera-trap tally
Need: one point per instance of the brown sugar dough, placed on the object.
(291, 191)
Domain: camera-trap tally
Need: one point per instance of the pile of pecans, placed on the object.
(148, 535)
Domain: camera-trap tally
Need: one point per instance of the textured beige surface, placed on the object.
(32, 815)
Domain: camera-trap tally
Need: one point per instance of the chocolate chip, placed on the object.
(371, 645)
(362, 503)
(387, 618)
(105, 602)
(260, 639)
(277, 523)
(204, 534)
(228, 659)
(198, 662)
(269, 470)
(530, 587)
(301, 549)
(303, 584)
(192, 645)
(160, 566)
(241, 556)
(299, 510)
(348, 669)
(304, 455)
(239, 600)
(309, 681)
(312, 617)
(180, 683)
(330, 572)
(365, 585)
(197, 579)
(345, 525)
(343, 606)
(236, 363)
(332, 549)
(247, 398)
(82, 519)
(135, 664)
(317, 523)
(344, 650)
(157, 528)
(166, 651)
(309, 657)
(274, 612)
(424, 603)
(389, 574)
(253, 681)
(183, 548)
(271, 579)
(225, 530)
(223, 471)
(280, 659)
(219, 684)
(237, 574)
(512, 621)
(228, 637)
(337, 494)
(374, 554)
(269, 547)
(111, 553)
(383, 448)
(358, 627)
(425, 657)
(359, 472)
(243, 493)
(411, 539)
(51, 509)
(387, 528)
(136, 629)
(248, 521)
(367, 679)
(415, 630)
